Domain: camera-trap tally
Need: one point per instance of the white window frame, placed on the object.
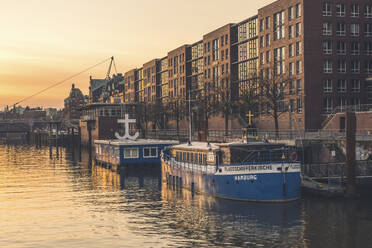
(354, 10)
(131, 152)
(355, 85)
(355, 66)
(354, 29)
(327, 47)
(150, 151)
(340, 10)
(328, 106)
(368, 29)
(368, 11)
(368, 48)
(339, 30)
(327, 88)
(341, 66)
(341, 86)
(327, 9)
(327, 28)
(298, 48)
(354, 51)
(328, 66)
(298, 67)
(343, 51)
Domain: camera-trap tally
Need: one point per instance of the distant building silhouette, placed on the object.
(73, 104)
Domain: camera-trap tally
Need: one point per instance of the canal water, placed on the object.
(67, 201)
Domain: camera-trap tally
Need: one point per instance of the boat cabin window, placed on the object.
(150, 152)
(130, 152)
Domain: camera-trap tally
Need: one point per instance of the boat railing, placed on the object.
(207, 169)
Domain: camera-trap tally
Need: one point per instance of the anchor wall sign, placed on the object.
(126, 122)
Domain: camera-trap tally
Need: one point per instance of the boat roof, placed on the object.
(128, 142)
(216, 146)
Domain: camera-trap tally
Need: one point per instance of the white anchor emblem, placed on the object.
(126, 122)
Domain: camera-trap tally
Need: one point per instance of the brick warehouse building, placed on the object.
(324, 46)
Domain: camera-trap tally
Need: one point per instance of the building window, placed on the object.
(327, 86)
(150, 152)
(227, 53)
(279, 54)
(368, 48)
(291, 68)
(267, 56)
(298, 29)
(298, 10)
(327, 9)
(279, 25)
(291, 88)
(299, 86)
(341, 85)
(354, 10)
(222, 69)
(355, 66)
(290, 50)
(327, 47)
(355, 101)
(341, 66)
(368, 29)
(267, 22)
(298, 67)
(290, 32)
(130, 152)
(327, 28)
(340, 9)
(341, 29)
(341, 47)
(327, 66)
(342, 103)
(298, 48)
(368, 11)
(290, 13)
(261, 59)
(354, 29)
(291, 106)
(267, 40)
(226, 39)
(222, 55)
(327, 104)
(261, 25)
(354, 48)
(355, 85)
(299, 105)
(368, 66)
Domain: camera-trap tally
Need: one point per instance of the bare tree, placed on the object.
(272, 87)
(176, 110)
(223, 98)
(248, 96)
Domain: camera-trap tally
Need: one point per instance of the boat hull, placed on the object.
(269, 185)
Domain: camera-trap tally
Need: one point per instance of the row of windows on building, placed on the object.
(327, 29)
(342, 47)
(215, 72)
(292, 32)
(293, 50)
(216, 43)
(341, 86)
(215, 56)
(342, 66)
(341, 10)
(278, 18)
(294, 105)
(341, 103)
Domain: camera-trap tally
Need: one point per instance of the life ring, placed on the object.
(293, 157)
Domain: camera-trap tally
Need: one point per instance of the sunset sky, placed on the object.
(45, 41)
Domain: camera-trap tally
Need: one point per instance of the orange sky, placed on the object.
(45, 41)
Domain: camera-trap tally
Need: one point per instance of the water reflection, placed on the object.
(68, 201)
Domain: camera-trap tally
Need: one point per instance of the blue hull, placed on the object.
(266, 187)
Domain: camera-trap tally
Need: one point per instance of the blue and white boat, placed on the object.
(130, 152)
(258, 171)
